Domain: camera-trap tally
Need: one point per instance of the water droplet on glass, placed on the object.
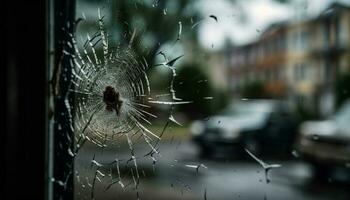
(155, 3)
(315, 137)
(295, 153)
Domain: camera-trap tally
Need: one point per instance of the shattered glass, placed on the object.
(113, 108)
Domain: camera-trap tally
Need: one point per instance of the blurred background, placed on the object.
(269, 77)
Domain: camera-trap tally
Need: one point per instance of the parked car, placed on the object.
(259, 125)
(326, 144)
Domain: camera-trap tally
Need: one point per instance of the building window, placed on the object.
(299, 71)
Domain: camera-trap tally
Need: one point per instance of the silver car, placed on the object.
(326, 144)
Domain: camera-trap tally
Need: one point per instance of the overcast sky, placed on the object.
(242, 22)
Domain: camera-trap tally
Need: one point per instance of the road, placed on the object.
(222, 179)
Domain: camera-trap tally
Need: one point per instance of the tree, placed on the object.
(342, 88)
(254, 90)
(193, 84)
(159, 24)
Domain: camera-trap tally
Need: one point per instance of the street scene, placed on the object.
(224, 178)
(177, 99)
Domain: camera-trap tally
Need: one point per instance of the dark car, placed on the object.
(261, 126)
(326, 144)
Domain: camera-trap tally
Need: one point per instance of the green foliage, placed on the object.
(193, 84)
(342, 89)
(147, 23)
(159, 79)
(254, 90)
(303, 113)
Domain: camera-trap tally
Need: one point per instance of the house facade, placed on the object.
(297, 61)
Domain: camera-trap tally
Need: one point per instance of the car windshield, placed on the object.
(247, 110)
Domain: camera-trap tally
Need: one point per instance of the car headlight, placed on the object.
(230, 133)
(197, 128)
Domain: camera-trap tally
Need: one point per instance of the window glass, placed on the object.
(191, 100)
